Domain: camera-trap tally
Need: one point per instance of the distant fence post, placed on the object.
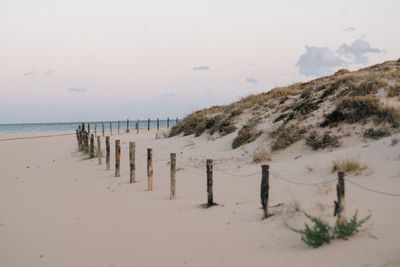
(167, 123)
(91, 146)
(95, 130)
(132, 166)
(77, 138)
(117, 157)
(173, 175)
(83, 127)
(150, 169)
(210, 196)
(265, 189)
(102, 128)
(158, 124)
(86, 141)
(137, 126)
(119, 124)
(88, 128)
(127, 126)
(99, 149)
(339, 204)
(108, 152)
(148, 125)
(110, 128)
(176, 121)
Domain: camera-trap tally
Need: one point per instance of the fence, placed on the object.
(83, 136)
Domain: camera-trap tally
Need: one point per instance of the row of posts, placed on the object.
(82, 137)
(137, 126)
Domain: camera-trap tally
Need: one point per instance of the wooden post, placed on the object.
(167, 123)
(102, 128)
(339, 204)
(83, 126)
(265, 189)
(132, 161)
(137, 126)
(173, 175)
(91, 146)
(99, 149)
(148, 125)
(117, 157)
(150, 169)
(110, 128)
(176, 121)
(77, 139)
(87, 141)
(127, 126)
(158, 124)
(119, 124)
(88, 128)
(210, 196)
(95, 130)
(108, 152)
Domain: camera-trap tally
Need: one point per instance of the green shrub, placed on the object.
(285, 136)
(350, 227)
(248, 133)
(315, 141)
(317, 234)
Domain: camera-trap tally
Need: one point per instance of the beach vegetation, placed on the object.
(316, 141)
(348, 165)
(376, 134)
(248, 133)
(286, 135)
(261, 155)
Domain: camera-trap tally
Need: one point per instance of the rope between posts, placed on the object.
(33, 137)
(372, 190)
(238, 175)
(301, 183)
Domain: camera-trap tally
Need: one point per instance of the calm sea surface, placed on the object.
(72, 126)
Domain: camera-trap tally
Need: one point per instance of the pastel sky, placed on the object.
(111, 60)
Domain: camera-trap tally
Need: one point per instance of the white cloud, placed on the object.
(201, 68)
(77, 90)
(251, 80)
(357, 51)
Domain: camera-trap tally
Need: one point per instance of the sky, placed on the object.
(103, 60)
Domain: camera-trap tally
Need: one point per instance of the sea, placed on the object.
(72, 126)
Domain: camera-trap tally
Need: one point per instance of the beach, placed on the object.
(60, 208)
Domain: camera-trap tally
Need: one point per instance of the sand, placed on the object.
(58, 208)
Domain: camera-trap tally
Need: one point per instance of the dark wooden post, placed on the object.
(167, 123)
(158, 124)
(117, 157)
(108, 152)
(110, 128)
(132, 161)
(176, 121)
(88, 128)
(173, 175)
(99, 149)
(210, 196)
(150, 169)
(265, 188)
(127, 126)
(91, 146)
(137, 126)
(77, 139)
(119, 124)
(87, 142)
(339, 204)
(83, 127)
(95, 130)
(148, 125)
(102, 128)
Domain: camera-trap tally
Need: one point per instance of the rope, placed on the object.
(238, 175)
(373, 190)
(301, 183)
(32, 137)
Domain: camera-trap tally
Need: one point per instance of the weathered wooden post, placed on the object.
(117, 157)
(176, 121)
(91, 146)
(95, 130)
(210, 201)
(108, 152)
(88, 128)
(87, 142)
(265, 188)
(339, 204)
(167, 123)
(102, 128)
(83, 127)
(137, 126)
(173, 175)
(99, 149)
(119, 124)
(158, 124)
(148, 125)
(110, 128)
(132, 166)
(150, 169)
(127, 126)
(77, 139)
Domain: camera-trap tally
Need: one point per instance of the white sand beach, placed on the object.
(59, 208)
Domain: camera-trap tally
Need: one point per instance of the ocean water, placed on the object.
(72, 126)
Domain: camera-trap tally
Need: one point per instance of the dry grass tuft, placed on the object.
(376, 134)
(285, 135)
(316, 141)
(261, 155)
(394, 90)
(248, 133)
(348, 165)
